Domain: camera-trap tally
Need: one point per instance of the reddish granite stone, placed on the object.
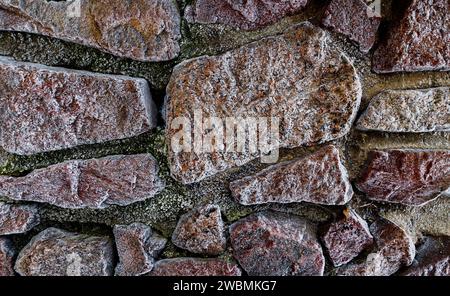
(276, 244)
(7, 253)
(319, 178)
(201, 231)
(95, 183)
(354, 19)
(55, 252)
(195, 267)
(45, 108)
(246, 15)
(311, 87)
(419, 42)
(346, 238)
(137, 246)
(144, 30)
(410, 177)
(17, 218)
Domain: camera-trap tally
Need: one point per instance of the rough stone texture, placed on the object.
(406, 176)
(144, 30)
(7, 253)
(420, 42)
(417, 111)
(432, 259)
(17, 218)
(137, 247)
(276, 244)
(195, 267)
(347, 238)
(55, 252)
(95, 183)
(354, 19)
(201, 231)
(311, 87)
(319, 178)
(246, 15)
(45, 108)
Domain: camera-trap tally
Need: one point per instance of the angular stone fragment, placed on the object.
(55, 252)
(94, 183)
(298, 78)
(17, 218)
(246, 15)
(416, 111)
(144, 30)
(137, 247)
(276, 244)
(433, 258)
(195, 267)
(201, 231)
(45, 108)
(354, 19)
(346, 238)
(319, 178)
(419, 42)
(7, 253)
(406, 176)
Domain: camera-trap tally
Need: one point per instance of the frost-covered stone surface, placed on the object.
(7, 253)
(195, 267)
(17, 218)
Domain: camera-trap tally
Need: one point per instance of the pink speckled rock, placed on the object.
(137, 247)
(95, 183)
(201, 231)
(144, 30)
(420, 42)
(7, 253)
(46, 108)
(347, 238)
(195, 267)
(246, 15)
(276, 244)
(319, 178)
(409, 177)
(17, 218)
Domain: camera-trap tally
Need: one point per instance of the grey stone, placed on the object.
(16, 218)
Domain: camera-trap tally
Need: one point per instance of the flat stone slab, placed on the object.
(419, 42)
(55, 252)
(195, 267)
(407, 176)
(143, 30)
(408, 111)
(201, 231)
(7, 253)
(276, 244)
(17, 218)
(94, 183)
(245, 15)
(46, 108)
(319, 178)
(302, 80)
(355, 19)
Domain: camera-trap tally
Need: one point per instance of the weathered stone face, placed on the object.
(353, 18)
(246, 15)
(55, 252)
(276, 244)
(346, 238)
(44, 108)
(6, 257)
(297, 77)
(420, 42)
(195, 267)
(201, 231)
(137, 247)
(17, 218)
(413, 111)
(95, 183)
(406, 176)
(319, 178)
(144, 30)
